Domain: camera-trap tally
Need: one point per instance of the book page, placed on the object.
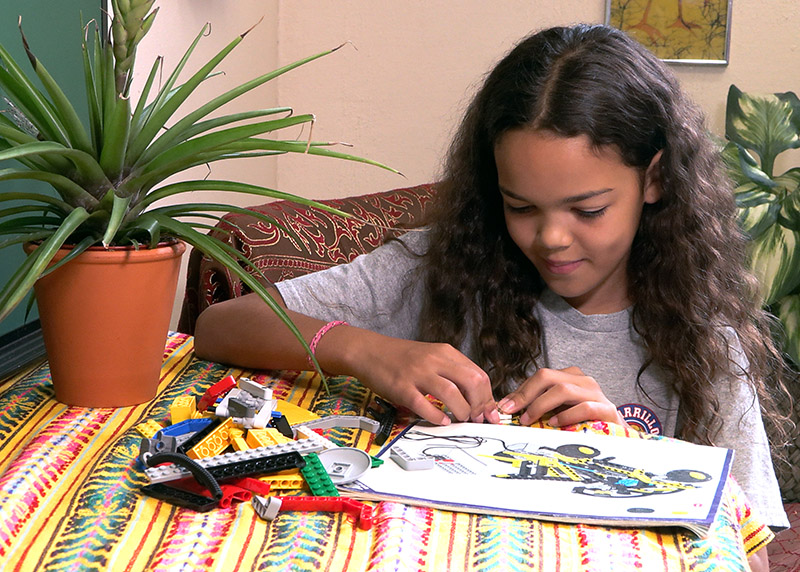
(558, 475)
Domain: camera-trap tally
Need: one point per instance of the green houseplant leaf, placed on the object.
(759, 127)
(109, 174)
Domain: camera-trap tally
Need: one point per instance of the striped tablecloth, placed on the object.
(70, 500)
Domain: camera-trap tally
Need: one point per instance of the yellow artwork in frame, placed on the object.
(677, 31)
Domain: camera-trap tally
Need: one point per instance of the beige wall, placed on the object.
(397, 90)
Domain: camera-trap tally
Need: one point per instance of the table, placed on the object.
(70, 500)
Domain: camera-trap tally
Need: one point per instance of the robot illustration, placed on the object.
(598, 477)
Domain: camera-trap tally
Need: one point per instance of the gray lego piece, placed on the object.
(345, 464)
(409, 462)
(266, 507)
(355, 421)
(171, 472)
(303, 432)
(255, 389)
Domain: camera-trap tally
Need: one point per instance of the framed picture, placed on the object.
(677, 31)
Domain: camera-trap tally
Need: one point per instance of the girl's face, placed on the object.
(573, 210)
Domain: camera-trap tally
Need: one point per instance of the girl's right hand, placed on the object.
(405, 371)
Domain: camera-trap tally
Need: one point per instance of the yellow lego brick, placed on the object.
(293, 413)
(265, 437)
(239, 444)
(236, 437)
(214, 443)
(182, 408)
(284, 480)
(149, 428)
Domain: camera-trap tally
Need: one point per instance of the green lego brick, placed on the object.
(317, 477)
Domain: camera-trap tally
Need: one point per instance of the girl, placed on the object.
(584, 255)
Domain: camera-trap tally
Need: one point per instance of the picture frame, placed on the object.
(677, 31)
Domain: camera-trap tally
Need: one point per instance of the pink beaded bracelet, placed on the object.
(318, 336)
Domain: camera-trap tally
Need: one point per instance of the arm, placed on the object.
(246, 332)
(759, 561)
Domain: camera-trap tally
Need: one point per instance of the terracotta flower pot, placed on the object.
(105, 318)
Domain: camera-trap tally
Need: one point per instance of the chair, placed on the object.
(318, 240)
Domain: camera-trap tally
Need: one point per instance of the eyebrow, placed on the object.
(567, 200)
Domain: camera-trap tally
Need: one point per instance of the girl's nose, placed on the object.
(553, 236)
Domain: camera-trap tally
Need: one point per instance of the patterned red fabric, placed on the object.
(784, 551)
(307, 240)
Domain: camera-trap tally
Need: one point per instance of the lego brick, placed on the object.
(255, 486)
(187, 426)
(237, 440)
(409, 462)
(246, 410)
(265, 437)
(215, 391)
(362, 512)
(171, 472)
(182, 408)
(198, 436)
(284, 480)
(293, 413)
(180, 497)
(159, 444)
(316, 477)
(280, 423)
(149, 428)
(254, 388)
(266, 507)
(214, 443)
(345, 464)
(354, 421)
(239, 444)
(304, 433)
(260, 466)
(384, 412)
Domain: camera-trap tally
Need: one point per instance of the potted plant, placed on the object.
(759, 128)
(108, 180)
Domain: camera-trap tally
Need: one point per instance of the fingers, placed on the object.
(405, 372)
(467, 391)
(587, 411)
(573, 396)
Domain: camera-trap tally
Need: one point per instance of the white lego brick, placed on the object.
(255, 389)
(354, 421)
(266, 507)
(409, 462)
(306, 434)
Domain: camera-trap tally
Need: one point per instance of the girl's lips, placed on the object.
(561, 267)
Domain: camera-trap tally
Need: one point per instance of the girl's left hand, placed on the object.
(571, 395)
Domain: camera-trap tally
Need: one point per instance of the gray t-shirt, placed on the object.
(382, 292)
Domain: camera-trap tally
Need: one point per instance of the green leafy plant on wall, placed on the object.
(759, 127)
(109, 175)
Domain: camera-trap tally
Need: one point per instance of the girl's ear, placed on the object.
(652, 180)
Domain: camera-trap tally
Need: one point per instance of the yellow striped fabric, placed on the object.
(70, 500)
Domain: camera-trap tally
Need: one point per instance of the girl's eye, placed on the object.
(513, 209)
(591, 213)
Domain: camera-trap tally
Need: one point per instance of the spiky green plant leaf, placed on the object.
(107, 174)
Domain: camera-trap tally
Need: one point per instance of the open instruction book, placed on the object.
(551, 475)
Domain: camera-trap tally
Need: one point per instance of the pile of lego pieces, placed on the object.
(235, 443)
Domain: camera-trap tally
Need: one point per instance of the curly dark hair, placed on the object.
(687, 270)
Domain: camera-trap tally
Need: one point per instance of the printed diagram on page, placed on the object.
(562, 474)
